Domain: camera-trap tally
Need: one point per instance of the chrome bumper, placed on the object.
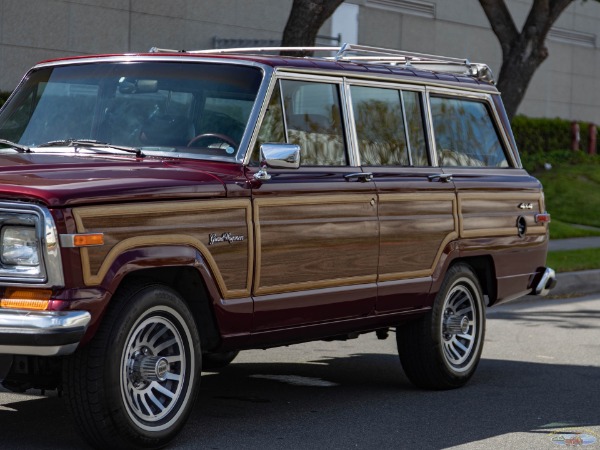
(547, 282)
(42, 333)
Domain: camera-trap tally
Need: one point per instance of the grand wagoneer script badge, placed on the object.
(225, 237)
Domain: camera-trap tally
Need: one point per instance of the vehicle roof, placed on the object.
(312, 64)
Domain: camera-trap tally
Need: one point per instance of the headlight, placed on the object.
(20, 246)
(29, 247)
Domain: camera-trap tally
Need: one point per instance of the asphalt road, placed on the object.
(539, 378)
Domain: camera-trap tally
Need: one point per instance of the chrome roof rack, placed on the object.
(370, 55)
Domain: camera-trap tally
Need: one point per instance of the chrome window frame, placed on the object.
(51, 270)
(400, 87)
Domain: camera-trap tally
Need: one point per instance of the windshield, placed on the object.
(193, 109)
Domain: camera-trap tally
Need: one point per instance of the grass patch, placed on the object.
(572, 196)
(573, 260)
(562, 230)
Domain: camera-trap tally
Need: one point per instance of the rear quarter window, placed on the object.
(465, 134)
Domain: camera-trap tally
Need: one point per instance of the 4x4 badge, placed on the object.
(526, 206)
(225, 237)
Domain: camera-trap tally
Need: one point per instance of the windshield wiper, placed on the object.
(18, 147)
(91, 143)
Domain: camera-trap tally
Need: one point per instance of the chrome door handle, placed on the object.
(363, 177)
(441, 177)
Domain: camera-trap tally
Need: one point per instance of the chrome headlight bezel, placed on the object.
(48, 272)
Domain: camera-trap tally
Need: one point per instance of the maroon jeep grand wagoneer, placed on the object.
(160, 212)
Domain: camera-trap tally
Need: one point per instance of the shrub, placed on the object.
(540, 135)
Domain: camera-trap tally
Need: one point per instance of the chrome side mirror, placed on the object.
(277, 156)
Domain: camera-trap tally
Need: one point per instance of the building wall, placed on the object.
(566, 85)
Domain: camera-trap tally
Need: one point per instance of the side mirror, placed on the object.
(277, 156)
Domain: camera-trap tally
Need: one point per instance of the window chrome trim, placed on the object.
(51, 271)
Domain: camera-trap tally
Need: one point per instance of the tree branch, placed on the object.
(304, 22)
(501, 22)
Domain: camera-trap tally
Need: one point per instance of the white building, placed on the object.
(566, 85)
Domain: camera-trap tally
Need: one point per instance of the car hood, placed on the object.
(70, 179)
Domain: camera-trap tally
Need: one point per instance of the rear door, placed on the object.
(417, 204)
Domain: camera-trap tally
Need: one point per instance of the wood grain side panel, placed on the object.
(487, 214)
(315, 242)
(127, 227)
(415, 229)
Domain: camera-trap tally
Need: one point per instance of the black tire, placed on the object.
(442, 349)
(134, 385)
(216, 361)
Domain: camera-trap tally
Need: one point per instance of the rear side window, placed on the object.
(389, 127)
(465, 134)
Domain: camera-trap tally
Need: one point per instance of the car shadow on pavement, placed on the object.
(355, 401)
(369, 403)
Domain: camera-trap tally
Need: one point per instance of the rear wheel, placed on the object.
(134, 384)
(442, 349)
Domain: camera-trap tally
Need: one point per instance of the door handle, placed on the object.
(441, 177)
(363, 177)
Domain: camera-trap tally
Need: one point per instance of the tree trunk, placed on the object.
(524, 51)
(304, 22)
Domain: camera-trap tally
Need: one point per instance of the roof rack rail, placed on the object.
(246, 50)
(370, 55)
(434, 63)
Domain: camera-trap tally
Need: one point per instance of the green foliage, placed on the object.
(572, 192)
(536, 162)
(536, 137)
(563, 230)
(572, 260)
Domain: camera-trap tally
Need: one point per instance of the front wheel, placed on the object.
(134, 384)
(442, 349)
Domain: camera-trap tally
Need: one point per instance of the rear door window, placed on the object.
(389, 126)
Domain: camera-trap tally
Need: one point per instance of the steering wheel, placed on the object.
(214, 136)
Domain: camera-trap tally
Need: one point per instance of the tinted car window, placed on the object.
(389, 127)
(313, 118)
(199, 109)
(465, 134)
(379, 126)
(413, 112)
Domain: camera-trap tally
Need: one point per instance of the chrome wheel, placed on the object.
(459, 327)
(154, 369)
(134, 384)
(441, 350)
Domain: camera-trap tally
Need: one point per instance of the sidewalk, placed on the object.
(573, 284)
(574, 243)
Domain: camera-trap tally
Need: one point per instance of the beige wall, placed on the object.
(566, 85)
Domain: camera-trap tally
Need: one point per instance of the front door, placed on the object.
(316, 227)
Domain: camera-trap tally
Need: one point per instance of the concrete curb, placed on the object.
(573, 284)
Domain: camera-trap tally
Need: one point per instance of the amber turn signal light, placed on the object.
(86, 240)
(81, 240)
(38, 299)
